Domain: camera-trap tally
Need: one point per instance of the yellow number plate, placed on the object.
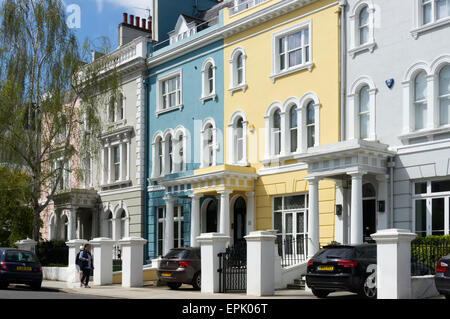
(166, 274)
(325, 268)
(21, 268)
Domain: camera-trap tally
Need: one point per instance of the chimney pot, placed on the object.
(125, 18)
(131, 19)
(144, 23)
(149, 24)
(137, 22)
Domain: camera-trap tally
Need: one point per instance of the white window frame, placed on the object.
(419, 27)
(159, 95)
(355, 42)
(65, 174)
(234, 85)
(88, 173)
(243, 5)
(304, 101)
(441, 97)
(205, 147)
(353, 107)
(107, 160)
(179, 219)
(180, 163)
(301, 27)
(429, 196)
(232, 155)
(206, 94)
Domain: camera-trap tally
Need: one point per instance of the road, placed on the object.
(24, 292)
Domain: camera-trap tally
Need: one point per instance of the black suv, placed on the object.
(343, 267)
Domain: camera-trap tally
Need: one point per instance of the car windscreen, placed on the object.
(177, 254)
(20, 256)
(338, 253)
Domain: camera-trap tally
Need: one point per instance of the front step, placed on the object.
(298, 284)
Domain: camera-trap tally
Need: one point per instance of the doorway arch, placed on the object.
(369, 198)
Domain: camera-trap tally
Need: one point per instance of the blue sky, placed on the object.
(96, 18)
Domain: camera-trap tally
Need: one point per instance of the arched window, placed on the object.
(240, 69)
(169, 145)
(363, 25)
(111, 111)
(239, 139)
(420, 101)
(444, 95)
(364, 112)
(208, 80)
(123, 219)
(180, 152)
(276, 132)
(237, 70)
(121, 107)
(310, 124)
(65, 227)
(209, 139)
(293, 128)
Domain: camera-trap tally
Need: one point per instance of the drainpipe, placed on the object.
(343, 66)
(391, 165)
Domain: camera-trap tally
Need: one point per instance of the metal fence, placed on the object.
(424, 256)
(117, 258)
(292, 250)
(233, 268)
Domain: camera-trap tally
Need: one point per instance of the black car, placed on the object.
(181, 266)
(343, 267)
(442, 276)
(19, 267)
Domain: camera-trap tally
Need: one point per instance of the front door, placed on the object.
(369, 219)
(239, 229)
(211, 217)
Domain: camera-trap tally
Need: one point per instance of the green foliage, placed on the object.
(432, 240)
(51, 253)
(428, 250)
(15, 216)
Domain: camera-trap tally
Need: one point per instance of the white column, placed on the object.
(128, 161)
(393, 263)
(224, 223)
(109, 164)
(432, 109)
(195, 219)
(260, 263)
(250, 211)
(382, 195)
(168, 227)
(132, 261)
(102, 254)
(356, 215)
(339, 219)
(211, 245)
(26, 244)
(313, 216)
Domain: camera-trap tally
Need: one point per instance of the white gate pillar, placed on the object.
(195, 218)
(356, 215)
(27, 244)
(393, 263)
(313, 216)
(102, 253)
(260, 263)
(132, 261)
(211, 245)
(73, 276)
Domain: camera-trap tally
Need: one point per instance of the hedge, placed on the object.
(52, 252)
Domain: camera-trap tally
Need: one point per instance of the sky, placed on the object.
(93, 19)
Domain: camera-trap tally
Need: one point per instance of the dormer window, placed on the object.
(186, 26)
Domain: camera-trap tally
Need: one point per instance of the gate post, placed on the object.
(27, 244)
(102, 252)
(393, 263)
(73, 275)
(260, 263)
(211, 245)
(132, 261)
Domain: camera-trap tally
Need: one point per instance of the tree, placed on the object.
(50, 97)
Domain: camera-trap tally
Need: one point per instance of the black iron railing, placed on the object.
(292, 250)
(233, 268)
(424, 256)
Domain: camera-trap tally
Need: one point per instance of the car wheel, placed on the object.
(369, 287)
(36, 285)
(4, 285)
(197, 281)
(174, 285)
(320, 293)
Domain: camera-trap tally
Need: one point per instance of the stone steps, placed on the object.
(298, 284)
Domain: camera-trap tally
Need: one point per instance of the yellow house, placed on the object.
(281, 101)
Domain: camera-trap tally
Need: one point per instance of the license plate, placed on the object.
(21, 268)
(166, 274)
(325, 268)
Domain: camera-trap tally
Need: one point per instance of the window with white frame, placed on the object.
(362, 25)
(290, 215)
(178, 227)
(310, 125)
(158, 157)
(276, 132)
(116, 159)
(434, 10)
(292, 49)
(237, 70)
(209, 145)
(431, 201)
(180, 151)
(61, 174)
(169, 95)
(237, 138)
(293, 128)
(208, 80)
(420, 101)
(444, 95)
(169, 151)
(116, 109)
(123, 223)
(364, 112)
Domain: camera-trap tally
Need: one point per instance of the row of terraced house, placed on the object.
(323, 120)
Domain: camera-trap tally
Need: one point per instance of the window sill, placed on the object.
(169, 109)
(368, 46)
(416, 32)
(242, 87)
(309, 66)
(118, 183)
(208, 97)
(425, 133)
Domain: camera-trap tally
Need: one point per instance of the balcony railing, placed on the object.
(242, 5)
(293, 251)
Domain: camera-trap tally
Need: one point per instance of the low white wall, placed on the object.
(55, 273)
(423, 287)
(289, 274)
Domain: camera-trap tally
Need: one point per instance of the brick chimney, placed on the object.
(133, 27)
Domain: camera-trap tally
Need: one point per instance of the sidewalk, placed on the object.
(150, 291)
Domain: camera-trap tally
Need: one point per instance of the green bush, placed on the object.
(430, 249)
(53, 252)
